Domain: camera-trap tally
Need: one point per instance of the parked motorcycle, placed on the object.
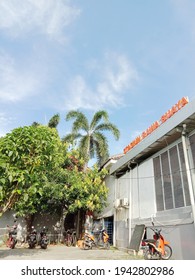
(156, 248)
(12, 239)
(88, 241)
(43, 238)
(99, 239)
(32, 238)
(105, 239)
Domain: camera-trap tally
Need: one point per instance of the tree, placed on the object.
(38, 174)
(28, 158)
(54, 121)
(92, 141)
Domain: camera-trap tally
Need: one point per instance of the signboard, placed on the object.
(137, 237)
(181, 103)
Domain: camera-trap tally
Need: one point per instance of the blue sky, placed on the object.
(134, 59)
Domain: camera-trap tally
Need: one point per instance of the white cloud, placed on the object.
(15, 83)
(48, 17)
(4, 122)
(115, 75)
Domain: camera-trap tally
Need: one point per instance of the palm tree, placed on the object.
(54, 121)
(92, 141)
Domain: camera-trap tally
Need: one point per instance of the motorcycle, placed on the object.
(32, 238)
(89, 241)
(97, 239)
(105, 239)
(12, 239)
(43, 238)
(156, 248)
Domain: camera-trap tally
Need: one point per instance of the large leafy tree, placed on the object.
(28, 157)
(90, 135)
(37, 174)
(79, 191)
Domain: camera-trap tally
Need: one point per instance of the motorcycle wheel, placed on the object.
(44, 246)
(12, 244)
(147, 255)
(86, 245)
(168, 253)
(31, 246)
(107, 245)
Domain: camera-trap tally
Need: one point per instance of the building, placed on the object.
(155, 182)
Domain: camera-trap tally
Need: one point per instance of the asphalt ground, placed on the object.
(62, 252)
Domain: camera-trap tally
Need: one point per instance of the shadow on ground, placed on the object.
(61, 252)
(18, 252)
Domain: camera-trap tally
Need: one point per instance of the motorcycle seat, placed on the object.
(149, 240)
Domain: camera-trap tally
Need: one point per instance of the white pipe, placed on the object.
(130, 205)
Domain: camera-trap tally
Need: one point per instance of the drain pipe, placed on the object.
(191, 192)
(130, 199)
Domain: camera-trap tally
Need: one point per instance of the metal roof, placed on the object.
(164, 135)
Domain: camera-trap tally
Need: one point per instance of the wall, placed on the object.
(109, 209)
(176, 224)
(146, 190)
(40, 220)
(7, 219)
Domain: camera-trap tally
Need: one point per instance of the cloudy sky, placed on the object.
(134, 59)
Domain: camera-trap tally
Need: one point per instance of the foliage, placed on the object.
(86, 190)
(27, 156)
(75, 189)
(54, 121)
(92, 141)
(38, 174)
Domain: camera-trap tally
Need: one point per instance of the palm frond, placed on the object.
(101, 153)
(98, 116)
(84, 147)
(80, 121)
(71, 137)
(109, 127)
(102, 143)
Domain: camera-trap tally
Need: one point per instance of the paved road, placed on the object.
(61, 252)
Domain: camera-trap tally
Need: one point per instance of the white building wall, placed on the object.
(146, 188)
(176, 224)
(133, 177)
(122, 213)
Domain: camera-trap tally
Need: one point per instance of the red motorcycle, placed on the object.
(156, 248)
(12, 238)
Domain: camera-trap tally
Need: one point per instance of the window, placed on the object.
(171, 185)
(176, 176)
(158, 184)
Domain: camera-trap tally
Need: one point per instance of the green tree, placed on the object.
(92, 141)
(28, 157)
(54, 121)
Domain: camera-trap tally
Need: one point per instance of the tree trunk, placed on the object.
(29, 222)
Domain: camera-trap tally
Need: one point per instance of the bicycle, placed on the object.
(70, 238)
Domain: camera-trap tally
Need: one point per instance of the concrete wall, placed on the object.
(39, 221)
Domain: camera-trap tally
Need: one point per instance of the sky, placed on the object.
(134, 59)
